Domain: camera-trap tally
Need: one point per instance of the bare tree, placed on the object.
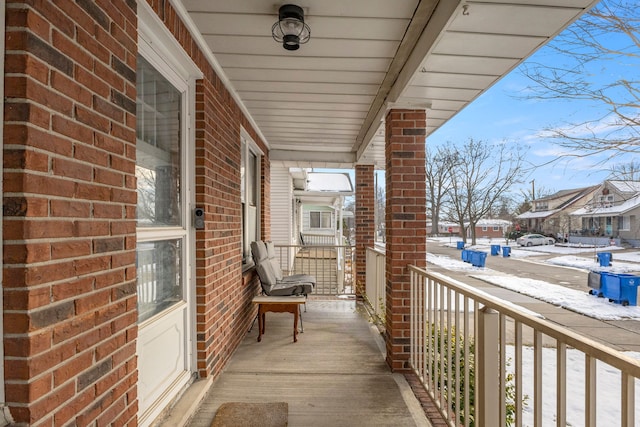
(438, 163)
(625, 171)
(600, 54)
(481, 175)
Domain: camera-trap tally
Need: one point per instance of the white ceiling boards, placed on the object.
(331, 94)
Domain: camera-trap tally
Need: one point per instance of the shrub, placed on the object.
(459, 359)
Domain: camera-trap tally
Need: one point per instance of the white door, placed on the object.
(163, 238)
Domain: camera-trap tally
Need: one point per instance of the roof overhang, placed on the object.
(324, 104)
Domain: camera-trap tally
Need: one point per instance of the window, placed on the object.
(250, 195)
(496, 228)
(159, 157)
(484, 228)
(624, 223)
(320, 220)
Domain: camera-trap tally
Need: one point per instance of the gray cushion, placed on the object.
(273, 259)
(307, 278)
(259, 251)
(270, 274)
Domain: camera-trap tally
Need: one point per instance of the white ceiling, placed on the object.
(323, 105)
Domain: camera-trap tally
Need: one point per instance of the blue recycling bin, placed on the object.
(629, 289)
(495, 250)
(478, 258)
(604, 258)
(620, 288)
(460, 245)
(506, 251)
(465, 255)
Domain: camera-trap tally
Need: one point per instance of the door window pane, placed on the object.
(160, 286)
(157, 149)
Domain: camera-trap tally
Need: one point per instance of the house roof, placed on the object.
(606, 210)
(492, 222)
(334, 182)
(625, 186)
(537, 214)
(325, 188)
(324, 105)
(575, 193)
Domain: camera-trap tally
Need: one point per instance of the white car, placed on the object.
(535, 240)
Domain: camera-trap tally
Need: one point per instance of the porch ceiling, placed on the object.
(324, 104)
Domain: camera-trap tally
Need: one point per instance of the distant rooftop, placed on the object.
(340, 182)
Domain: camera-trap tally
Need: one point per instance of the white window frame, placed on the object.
(311, 227)
(248, 147)
(158, 46)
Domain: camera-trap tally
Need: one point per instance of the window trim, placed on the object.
(321, 213)
(247, 143)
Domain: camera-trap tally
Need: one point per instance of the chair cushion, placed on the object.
(273, 259)
(259, 251)
(265, 272)
(307, 278)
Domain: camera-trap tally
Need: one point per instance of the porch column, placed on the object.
(406, 223)
(365, 223)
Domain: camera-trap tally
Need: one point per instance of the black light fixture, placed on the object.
(290, 30)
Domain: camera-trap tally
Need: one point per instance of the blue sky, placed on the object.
(504, 114)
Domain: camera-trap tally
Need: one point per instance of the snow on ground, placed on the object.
(590, 264)
(578, 301)
(571, 299)
(608, 378)
(607, 399)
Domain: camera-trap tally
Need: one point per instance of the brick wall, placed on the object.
(364, 221)
(69, 212)
(406, 223)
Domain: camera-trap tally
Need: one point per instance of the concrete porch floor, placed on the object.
(335, 375)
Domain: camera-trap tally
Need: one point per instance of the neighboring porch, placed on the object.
(332, 265)
(334, 375)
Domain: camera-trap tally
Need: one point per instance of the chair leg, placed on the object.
(301, 325)
(253, 323)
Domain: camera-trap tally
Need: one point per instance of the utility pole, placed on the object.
(533, 189)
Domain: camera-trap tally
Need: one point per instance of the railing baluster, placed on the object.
(441, 352)
(518, 372)
(503, 371)
(590, 394)
(451, 391)
(627, 404)
(457, 357)
(561, 384)
(437, 358)
(467, 365)
(488, 369)
(537, 378)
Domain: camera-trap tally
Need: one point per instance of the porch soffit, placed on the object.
(323, 105)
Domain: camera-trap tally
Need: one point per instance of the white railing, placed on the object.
(375, 294)
(469, 348)
(332, 265)
(318, 239)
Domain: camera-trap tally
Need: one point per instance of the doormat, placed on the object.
(241, 414)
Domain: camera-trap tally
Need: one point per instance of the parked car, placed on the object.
(535, 240)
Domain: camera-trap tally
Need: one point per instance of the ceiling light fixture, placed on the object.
(290, 30)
